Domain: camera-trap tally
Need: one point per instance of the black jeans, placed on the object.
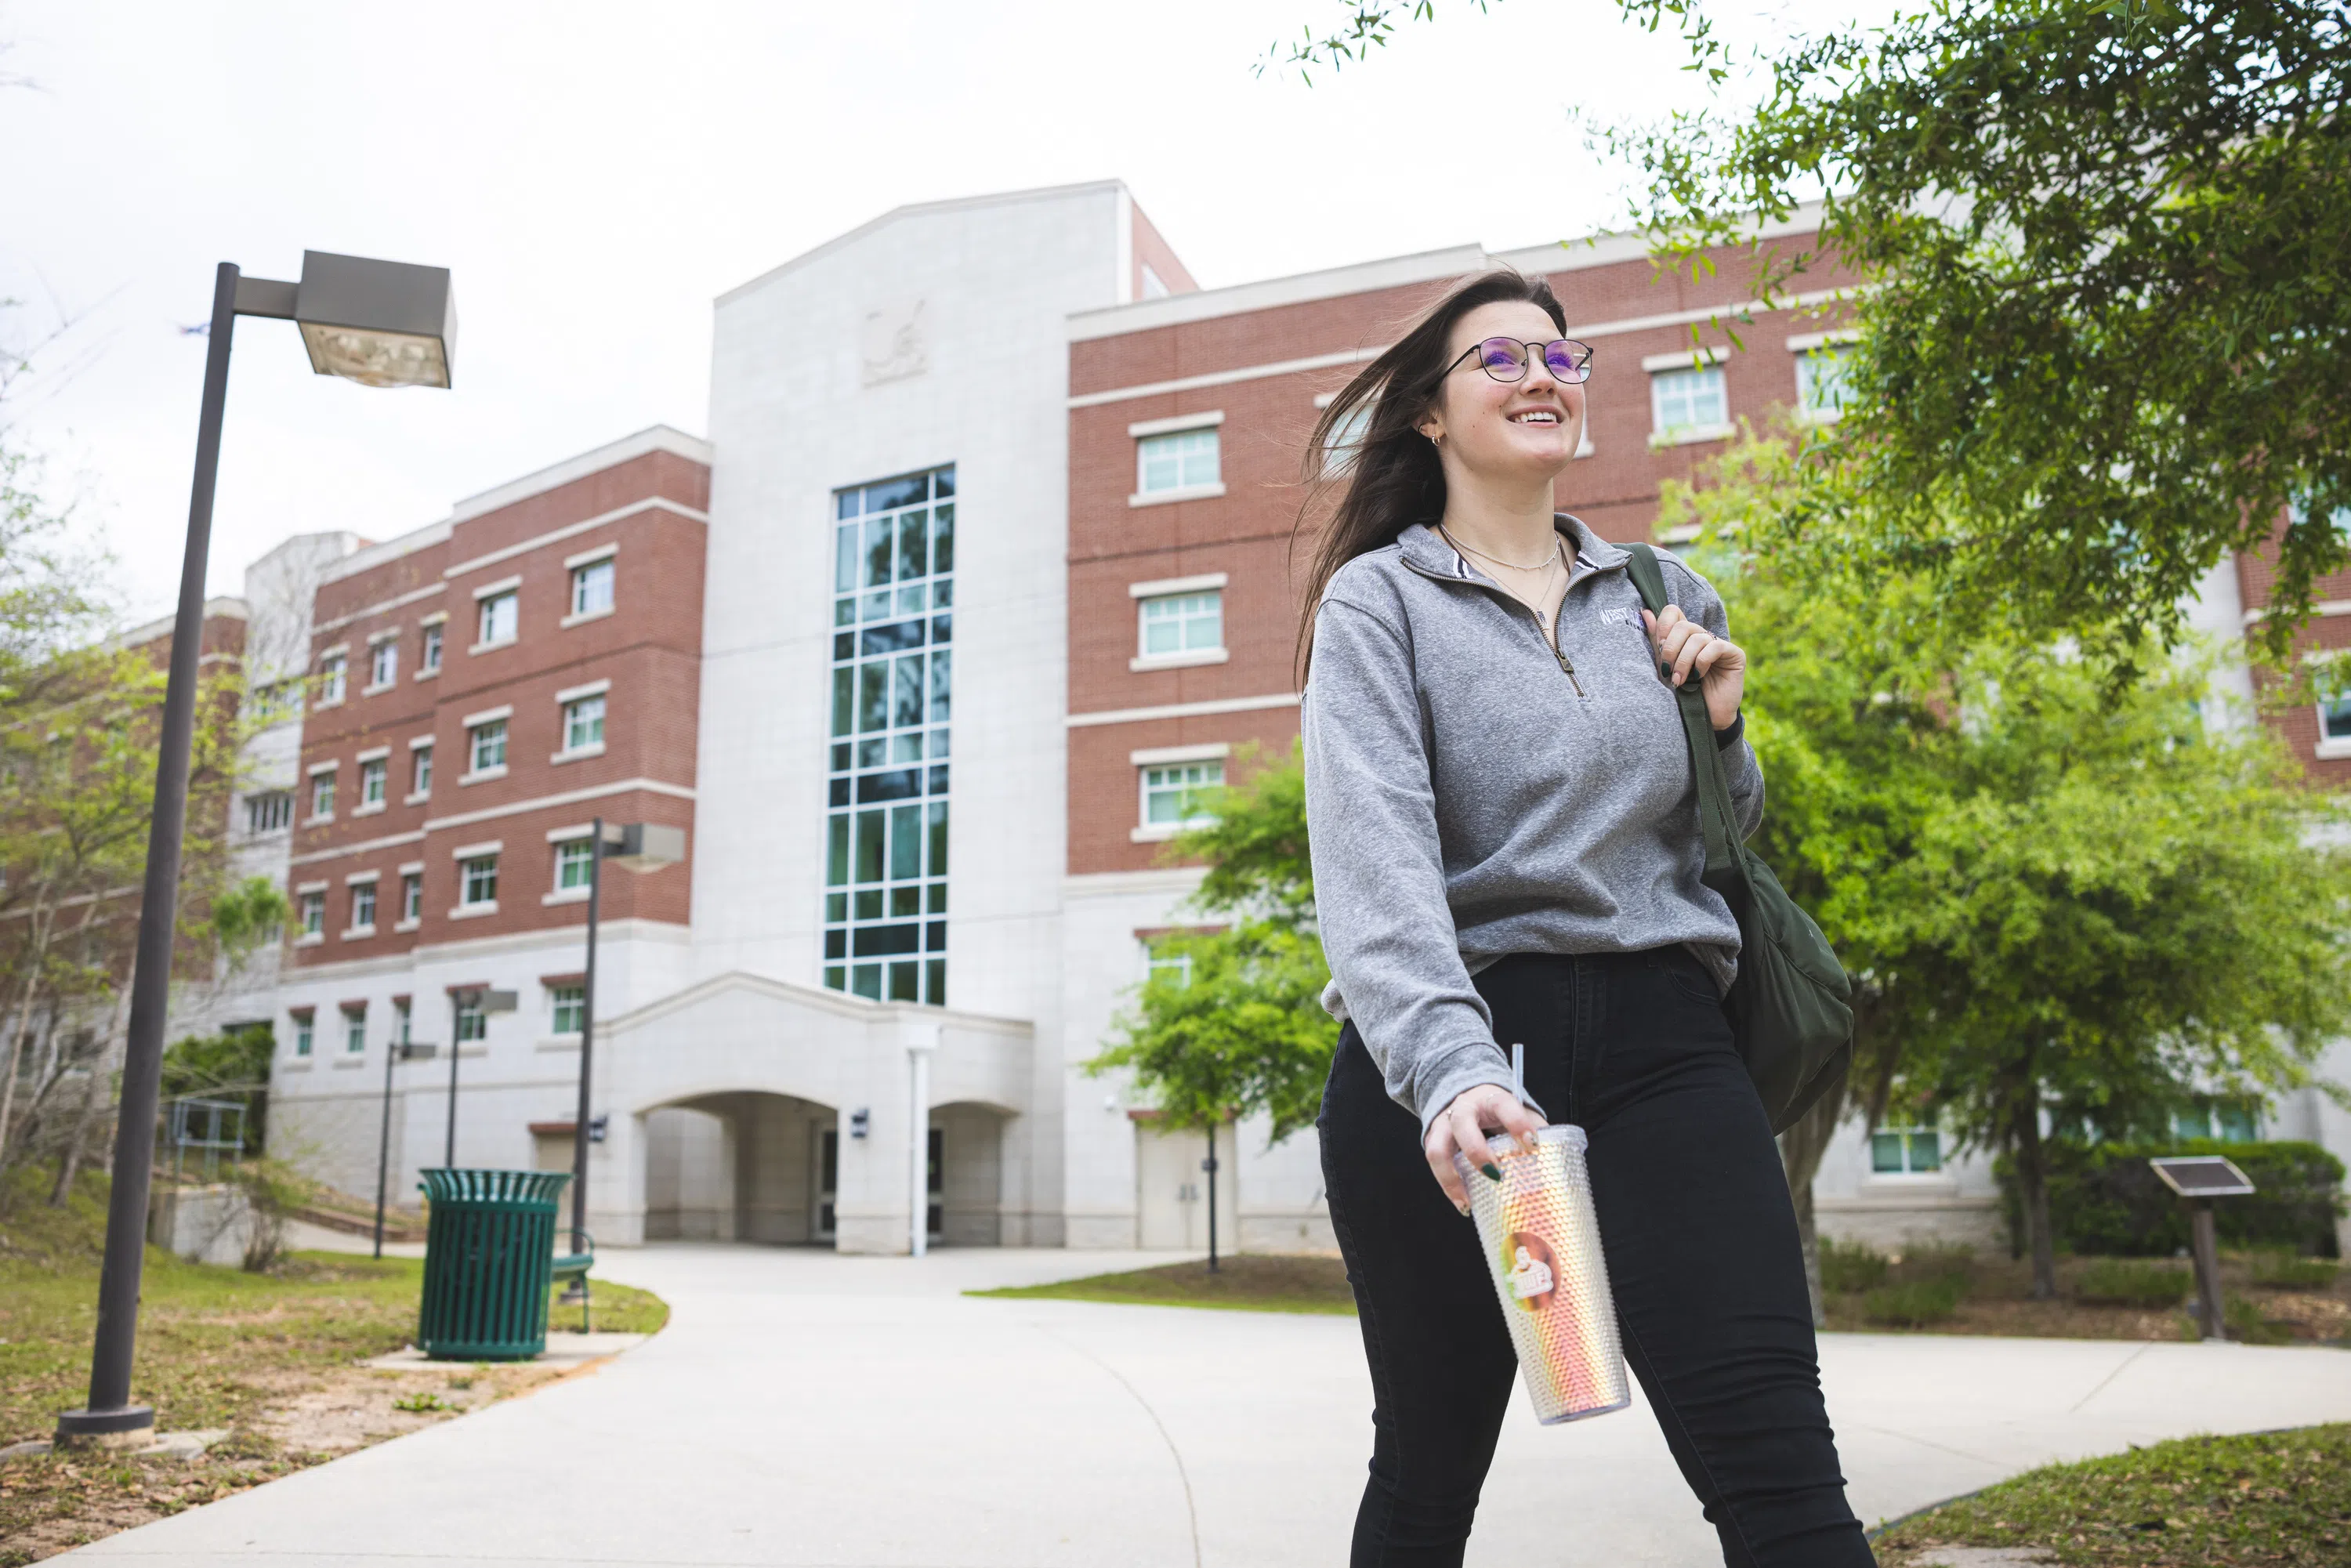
(1702, 1255)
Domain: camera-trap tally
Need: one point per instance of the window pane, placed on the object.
(2336, 717)
(1204, 626)
(869, 845)
(906, 710)
(1926, 1151)
(943, 540)
(877, 551)
(938, 855)
(836, 860)
(874, 694)
(844, 686)
(1200, 455)
(844, 562)
(1885, 1153)
(942, 686)
(914, 553)
(905, 841)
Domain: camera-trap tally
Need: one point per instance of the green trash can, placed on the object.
(489, 1251)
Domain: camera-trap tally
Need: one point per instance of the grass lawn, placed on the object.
(268, 1358)
(2283, 1498)
(1250, 1282)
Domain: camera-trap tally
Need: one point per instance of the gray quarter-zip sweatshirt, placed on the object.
(1473, 793)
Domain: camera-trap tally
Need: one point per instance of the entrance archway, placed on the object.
(740, 1166)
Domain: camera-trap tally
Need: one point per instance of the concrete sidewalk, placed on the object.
(816, 1411)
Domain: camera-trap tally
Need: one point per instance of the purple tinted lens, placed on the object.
(1567, 359)
(1504, 359)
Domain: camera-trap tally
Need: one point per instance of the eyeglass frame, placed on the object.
(1585, 366)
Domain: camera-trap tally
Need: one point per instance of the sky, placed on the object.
(595, 173)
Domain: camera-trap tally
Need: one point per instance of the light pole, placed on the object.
(398, 1051)
(635, 847)
(482, 1001)
(380, 323)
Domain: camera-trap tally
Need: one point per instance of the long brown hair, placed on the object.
(1391, 475)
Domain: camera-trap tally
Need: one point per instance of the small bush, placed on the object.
(1935, 1260)
(2103, 1201)
(2247, 1325)
(1850, 1266)
(2124, 1281)
(2284, 1271)
(421, 1404)
(1915, 1304)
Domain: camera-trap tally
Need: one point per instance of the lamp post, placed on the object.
(398, 1051)
(380, 323)
(637, 847)
(463, 999)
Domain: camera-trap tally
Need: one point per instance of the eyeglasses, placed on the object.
(1506, 359)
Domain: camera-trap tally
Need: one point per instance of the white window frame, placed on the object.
(1941, 1172)
(1158, 758)
(420, 769)
(2331, 747)
(311, 915)
(569, 703)
(272, 809)
(476, 724)
(507, 591)
(432, 644)
(1178, 658)
(354, 885)
(374, 771)
(1702, 367)
(469, 880)
(572, 848)
(306, 1028)
(322, 790)
(411, 898)
(383, 662)
(354, 1031)
(1154, 437)
(334, 673)
(584, 575)
(556, 1003)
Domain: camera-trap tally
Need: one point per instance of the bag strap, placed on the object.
(1715, 820)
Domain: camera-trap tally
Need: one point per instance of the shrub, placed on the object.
(2126, 1282)
(1915, 1304)
(2281, 1271)
(2104, 1201)
(1935, 1260)
(1850, 1266)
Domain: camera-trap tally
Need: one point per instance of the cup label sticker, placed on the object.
(1531, 1269)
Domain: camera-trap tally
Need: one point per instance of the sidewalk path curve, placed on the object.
(808, 1411)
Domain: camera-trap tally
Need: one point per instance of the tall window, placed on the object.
(314, 914)
(1182, 622)
(2335, 720)
(1177, 795)
(583, 724)
(331, 679)
(572, 866)
(412, 896)
(302, 1022)
(420, 771)
(429, 656)
(355, 1030)
(1689, 400)
(362, 906)
(322, 794)
(473, 1025)
(501, 616)
(478, 880)
(2231, 1120)
(400, 1020)
(489, 746)
(371, 775)
(383, 662)
(569, 1004)
(1184, 460)
(1820, 382)
(591, 587)
(1905, 1151)
(269, 813)
(886, 898)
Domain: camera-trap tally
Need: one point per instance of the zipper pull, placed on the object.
(1569, 671)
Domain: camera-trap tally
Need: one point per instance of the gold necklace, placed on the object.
(1542, 566)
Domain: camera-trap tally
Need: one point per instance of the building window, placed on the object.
(1905, 1151)
(1692, 399)
(322, 795)
(886, 899)
(269, 813)
(1183, 460)
(591, 587)
(1161, 961)
(362, 906)
(400, 1020)
(420, 771)
(302, 1034)
(583, 724)
(489, 745)
(276, 700)
(331, 679)
(2229, 1121)
(1177, 795)
(1821, 381)
(1182, 622)
(473, 1025)
(371, 777)
(2334, 723)
(429, 658)
(501, 616)
(478, 881)
(383, 662)
(355, 1030)
(1345, 443)
(569, 1005)
(314, 914)
(411, 896)
(573, 865)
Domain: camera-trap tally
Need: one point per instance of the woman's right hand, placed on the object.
(1462, 1125)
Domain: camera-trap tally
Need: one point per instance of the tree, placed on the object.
(2106, 335)
(1234, 1024)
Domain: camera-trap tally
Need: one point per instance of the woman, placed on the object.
(1506, 851)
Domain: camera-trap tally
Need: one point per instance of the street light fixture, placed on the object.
(397, 1051)
(381, 323)
(637, 847)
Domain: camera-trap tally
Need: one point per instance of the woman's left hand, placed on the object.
(1685, 648)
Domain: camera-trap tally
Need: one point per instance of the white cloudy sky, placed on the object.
(594, 174)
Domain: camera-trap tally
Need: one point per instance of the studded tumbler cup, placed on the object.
(1542, 1242)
